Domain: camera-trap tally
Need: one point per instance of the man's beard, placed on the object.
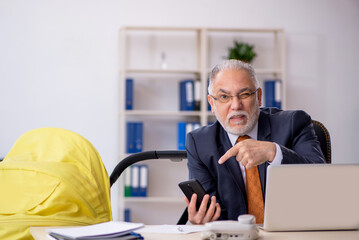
(251, 121)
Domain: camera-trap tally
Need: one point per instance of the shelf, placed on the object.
(162, 113)
(257, 30)
(245, 30)
(162, 71)
(263, 71)
(143, 28)
(268, 71)
(154, 199)
(189, 53)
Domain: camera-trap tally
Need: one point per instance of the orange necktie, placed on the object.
(254, 190)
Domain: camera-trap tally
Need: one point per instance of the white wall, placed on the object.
(59, 61)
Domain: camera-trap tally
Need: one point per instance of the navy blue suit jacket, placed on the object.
(291, 130)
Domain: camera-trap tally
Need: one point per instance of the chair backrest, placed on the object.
(324, 139)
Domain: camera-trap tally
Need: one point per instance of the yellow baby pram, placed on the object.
(52, 177)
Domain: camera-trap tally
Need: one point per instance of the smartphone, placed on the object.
(193, 186)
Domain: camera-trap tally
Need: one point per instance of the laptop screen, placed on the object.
(312, 197)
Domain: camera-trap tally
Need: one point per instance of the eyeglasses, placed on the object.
(225, 98)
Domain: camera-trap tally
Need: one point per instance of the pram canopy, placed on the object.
(52, 177)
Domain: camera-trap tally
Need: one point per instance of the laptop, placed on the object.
(307, 197)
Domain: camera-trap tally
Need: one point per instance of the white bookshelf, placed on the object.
(190, 53)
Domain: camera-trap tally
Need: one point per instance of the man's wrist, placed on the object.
(278, 156)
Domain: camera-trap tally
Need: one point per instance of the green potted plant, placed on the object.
(242, 51)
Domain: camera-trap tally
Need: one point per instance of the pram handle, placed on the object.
(173, 155)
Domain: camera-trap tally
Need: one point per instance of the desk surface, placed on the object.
(39, 233)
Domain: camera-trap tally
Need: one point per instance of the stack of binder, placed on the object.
(190, 95)
(182, 129)
(136, 181)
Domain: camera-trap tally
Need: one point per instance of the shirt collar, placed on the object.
(252, 134)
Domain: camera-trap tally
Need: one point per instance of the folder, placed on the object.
(208, 105)
(128, 187)
(272, 93)
(195, 125)
(129, 93)
(106, 230)
(189, 128)
(130, 138)
(197, 95)
(134, 137)
(183, 128)
(127, 215)
(143, 180)
(181, 135)
(138, 137)
(187, 95)
(135, 177)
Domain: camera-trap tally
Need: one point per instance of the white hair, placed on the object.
(232, 64)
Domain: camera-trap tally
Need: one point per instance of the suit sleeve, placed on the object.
(197, 169)
(201, 172)
(305, 147)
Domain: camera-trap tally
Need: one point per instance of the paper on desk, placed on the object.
(92, 231)
(50, 238)
(179, 229)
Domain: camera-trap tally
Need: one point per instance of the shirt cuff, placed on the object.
(278, 156)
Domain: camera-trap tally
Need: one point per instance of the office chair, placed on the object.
(324, 138)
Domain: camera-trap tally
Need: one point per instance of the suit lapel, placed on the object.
(231, 164)
(264, 132)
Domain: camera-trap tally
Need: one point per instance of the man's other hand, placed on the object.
(203, 215)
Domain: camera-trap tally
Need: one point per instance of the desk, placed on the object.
(39, 233)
